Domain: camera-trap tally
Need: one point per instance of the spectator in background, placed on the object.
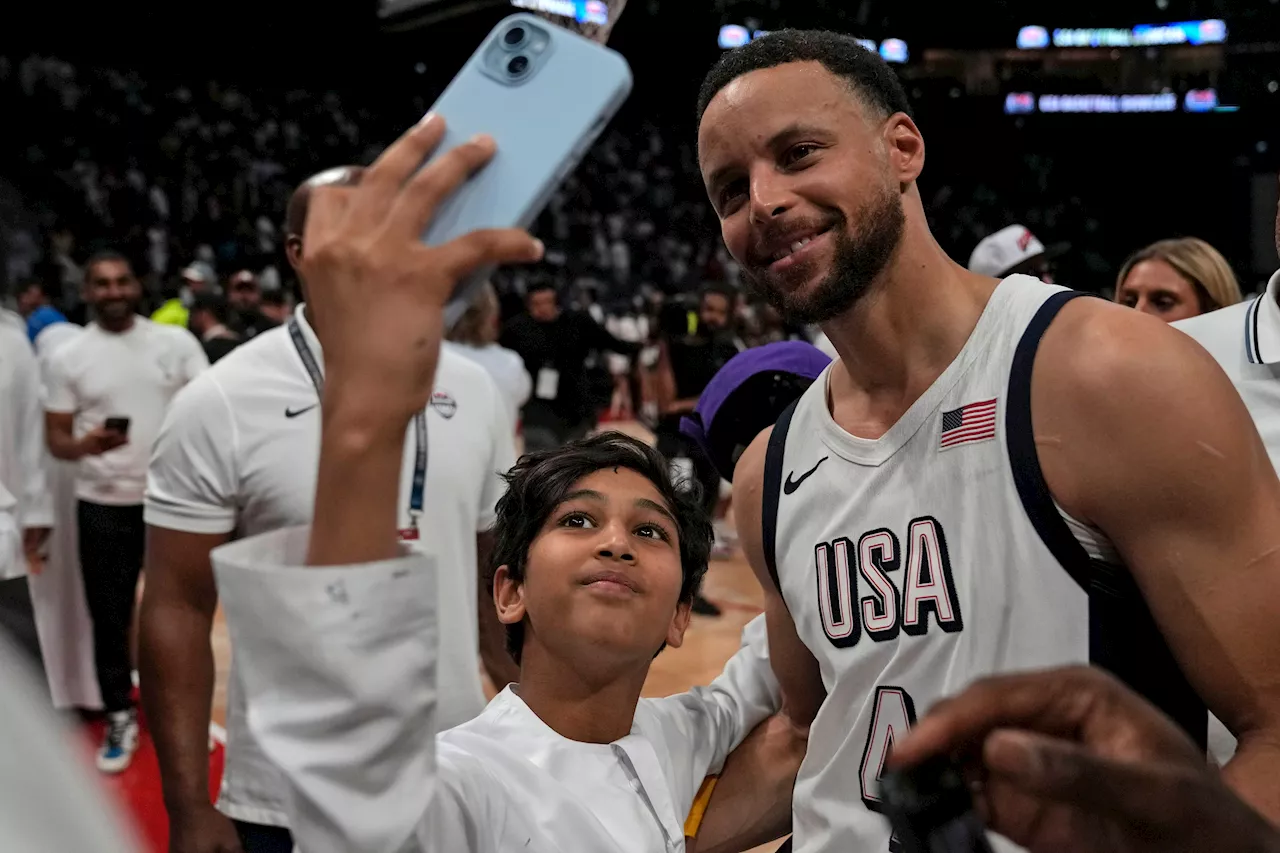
(1015, 251)
(688, 359)
(554, 346)
(1177, 279)
(475, 337)
(121, 367)
(26, 513)
(275, 306)
(175, 311)
(33, 304)
(244, 297)
(209, 321)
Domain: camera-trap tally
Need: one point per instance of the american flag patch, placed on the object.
(968, 424)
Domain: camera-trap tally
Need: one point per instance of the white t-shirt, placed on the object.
(505, 367)
(238, 454)
(132, 374)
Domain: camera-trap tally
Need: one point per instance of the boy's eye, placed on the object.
(578, 519)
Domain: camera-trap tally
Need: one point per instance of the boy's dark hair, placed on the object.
(866, 73)
(541, 480)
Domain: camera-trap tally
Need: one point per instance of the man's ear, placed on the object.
(679, 624)
(508, 596)
(293, 249)
(905, 145)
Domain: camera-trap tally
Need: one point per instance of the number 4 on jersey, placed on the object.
(894, 715)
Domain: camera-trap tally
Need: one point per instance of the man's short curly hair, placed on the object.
(540, 481)
(867, 75)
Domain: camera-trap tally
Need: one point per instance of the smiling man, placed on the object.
(994, 475)
(108, 391)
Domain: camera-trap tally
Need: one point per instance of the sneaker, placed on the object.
(120, 743)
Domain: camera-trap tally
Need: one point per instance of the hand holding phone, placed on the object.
(117, 424)
(101, 439)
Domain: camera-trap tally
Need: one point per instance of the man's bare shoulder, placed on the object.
(1096, 352)
(1122, 402)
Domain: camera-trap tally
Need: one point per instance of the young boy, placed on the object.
(599, 556)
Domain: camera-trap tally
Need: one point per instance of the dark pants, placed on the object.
(18, 620)
(256, 838)
(112, 539)
(674, 444)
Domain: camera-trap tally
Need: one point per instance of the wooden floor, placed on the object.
(709, 642)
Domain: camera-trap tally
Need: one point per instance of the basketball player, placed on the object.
(993, 476)
(237, 456)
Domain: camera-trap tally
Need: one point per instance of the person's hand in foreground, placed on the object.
(1071, 761)
(379, 295)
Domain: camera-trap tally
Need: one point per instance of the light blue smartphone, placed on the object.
(544, 94)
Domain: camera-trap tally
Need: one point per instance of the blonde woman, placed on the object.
(1177, 279)
(475, 337)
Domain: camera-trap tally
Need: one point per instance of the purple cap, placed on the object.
(797, 359)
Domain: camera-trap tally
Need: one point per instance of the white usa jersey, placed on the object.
(918, 562)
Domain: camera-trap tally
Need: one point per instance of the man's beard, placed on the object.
(859, 260)
(116, 309)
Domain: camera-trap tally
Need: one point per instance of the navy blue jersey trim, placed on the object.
(1253, 347)
(1123, 635)
(772, 490)
(1027, 474)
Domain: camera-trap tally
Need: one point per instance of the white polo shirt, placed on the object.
(134, 374)
(238, 454)
(1245, 340)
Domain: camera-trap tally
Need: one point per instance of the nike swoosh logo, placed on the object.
(791, 485)
(293, 413)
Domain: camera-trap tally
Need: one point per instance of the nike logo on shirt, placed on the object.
(293, 413)
(791, 485)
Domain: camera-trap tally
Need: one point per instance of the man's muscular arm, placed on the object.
(793, 663)
(1141, 434)
(176, 659)
(751, 802)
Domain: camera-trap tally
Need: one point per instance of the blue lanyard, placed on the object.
(419, 422)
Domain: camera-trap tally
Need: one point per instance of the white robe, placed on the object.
(340, 674)
(24, 494)
(57, 595)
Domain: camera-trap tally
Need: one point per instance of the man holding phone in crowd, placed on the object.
(108, 391)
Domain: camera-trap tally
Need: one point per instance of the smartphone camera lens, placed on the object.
(514, 37)
(518, 66)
